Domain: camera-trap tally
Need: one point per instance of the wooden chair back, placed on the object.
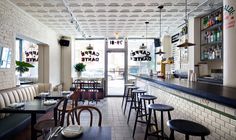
(75, 114)
(60, 115)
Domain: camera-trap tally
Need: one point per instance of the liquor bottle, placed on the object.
(205, 54)
(215, 36)
(212, 36)
(217, 52)
(213, 54)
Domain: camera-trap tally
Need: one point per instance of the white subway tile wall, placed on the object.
(187, 107)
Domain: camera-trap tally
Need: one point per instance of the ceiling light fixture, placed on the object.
(73, 19)
(186, 43)
(143, 46)
(89, 47)
(160, 52)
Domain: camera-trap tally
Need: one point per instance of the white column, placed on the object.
(229, 48)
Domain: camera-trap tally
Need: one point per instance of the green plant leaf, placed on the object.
(79, 67)
(23, 66)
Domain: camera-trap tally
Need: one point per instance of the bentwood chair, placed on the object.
(74, 116)
(57, 120)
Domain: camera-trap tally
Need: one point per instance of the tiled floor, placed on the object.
(113, 116)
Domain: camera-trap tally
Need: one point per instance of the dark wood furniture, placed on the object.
(127, 98)
(125, 93)
(91, 133)
(142, 109)
(74, 115)
(33, 108)
(89, 87)
(188, 128)
(161, 108)
(57, 120)
(134, 100)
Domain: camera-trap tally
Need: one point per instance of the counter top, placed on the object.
(217, 93)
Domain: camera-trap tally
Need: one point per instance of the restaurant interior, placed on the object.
(117, 70)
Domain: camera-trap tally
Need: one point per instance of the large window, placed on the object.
(143, 66)
(92, 58)
(27, 52)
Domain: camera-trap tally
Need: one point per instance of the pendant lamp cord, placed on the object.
(146, 33)
(160, 23)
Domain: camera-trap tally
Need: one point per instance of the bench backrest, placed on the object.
(17, 94)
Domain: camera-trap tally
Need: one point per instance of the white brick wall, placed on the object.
(221, 126)
(15, 22)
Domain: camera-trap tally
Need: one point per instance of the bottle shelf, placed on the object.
(213, 27)
(212, 43)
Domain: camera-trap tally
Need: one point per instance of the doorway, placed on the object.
(115, 73)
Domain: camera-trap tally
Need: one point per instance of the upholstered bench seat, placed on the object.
(13, 124)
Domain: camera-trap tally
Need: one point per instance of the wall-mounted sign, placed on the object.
(89, 56)
(175, 38)
(229, 19)
(116, 42)
(140, 55)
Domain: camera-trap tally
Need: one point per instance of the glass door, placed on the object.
(115, 73)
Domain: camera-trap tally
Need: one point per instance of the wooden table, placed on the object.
(91, 133)
(33, 107)
(56, 95)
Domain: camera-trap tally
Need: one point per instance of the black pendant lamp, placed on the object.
(89, 47)
(160, 52)
(186, 44)
(142, 47)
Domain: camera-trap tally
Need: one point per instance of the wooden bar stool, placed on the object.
(130, 89)
(125, 93)
(188, 128)
(143, 107)
(162, 108)
(134, 100)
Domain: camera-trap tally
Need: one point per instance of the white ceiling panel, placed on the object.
(102, 18)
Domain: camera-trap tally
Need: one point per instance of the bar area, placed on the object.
(117, 70)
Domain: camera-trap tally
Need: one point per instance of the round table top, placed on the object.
(188, 127)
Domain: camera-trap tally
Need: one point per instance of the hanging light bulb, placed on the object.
(143, 46)
(186, 43)
(160, 52)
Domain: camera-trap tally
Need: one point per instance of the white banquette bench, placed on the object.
(11, 124)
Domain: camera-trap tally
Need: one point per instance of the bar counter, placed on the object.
(217, 93)
(213, 106)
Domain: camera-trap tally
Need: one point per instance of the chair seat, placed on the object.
(147, 97)
(160, 107)
(139, 91)
(188, 127)
(50, 123)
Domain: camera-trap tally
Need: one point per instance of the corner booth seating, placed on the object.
(11, 124)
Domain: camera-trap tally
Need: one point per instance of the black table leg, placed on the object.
(33, 122)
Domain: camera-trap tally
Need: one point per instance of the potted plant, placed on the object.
(23, 66)
(79, 67)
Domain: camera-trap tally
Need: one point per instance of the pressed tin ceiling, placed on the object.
(103, 18)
